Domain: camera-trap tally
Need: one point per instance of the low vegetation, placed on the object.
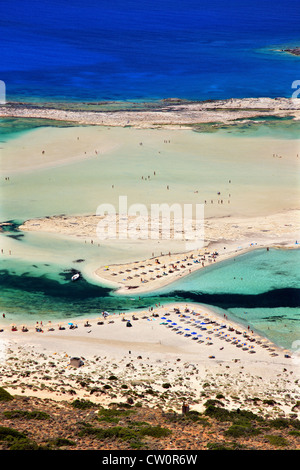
(133, 433)
(23, 414)
(4, 395)
(84, 425)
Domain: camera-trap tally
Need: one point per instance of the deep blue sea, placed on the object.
(146, 50)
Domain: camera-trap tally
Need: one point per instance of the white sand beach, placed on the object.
(185, 346)
(224, 238)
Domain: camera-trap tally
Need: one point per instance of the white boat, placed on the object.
(75, 277)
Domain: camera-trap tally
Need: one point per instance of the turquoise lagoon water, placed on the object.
(264, 126)
(143, 51)
(259, 289)
(11, 128)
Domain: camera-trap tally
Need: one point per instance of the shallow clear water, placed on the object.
(132, 50)
(83, 184)
(259, 289)
(11, 128)
(256, 272)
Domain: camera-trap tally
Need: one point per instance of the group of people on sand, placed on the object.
(176, 266)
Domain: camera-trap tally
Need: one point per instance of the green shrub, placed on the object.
(237, 430)
(154, 431)
(126, 433)
(220, 414)
(296, 406)
(83, 404)
(22, 414)
(279, 423)
(195, 417)
(224, 446)
(10, 433)
(166, 385)
(136, 444)
(284, 423)
(294, 433)
(150, 391)
(16, 440)
(138, 423)
(24, 444)
(112, 416)
(4, 395)
(295, 423)
(240, 416)
(269, 402)
(61, 442)
(219, 396)
(213, 402)
(277, 441)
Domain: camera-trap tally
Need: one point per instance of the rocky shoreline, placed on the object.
(166, 113)
(294, 51)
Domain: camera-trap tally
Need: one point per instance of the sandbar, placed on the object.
(164, 113)
(224, 237)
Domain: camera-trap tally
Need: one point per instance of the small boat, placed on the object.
(75, 277)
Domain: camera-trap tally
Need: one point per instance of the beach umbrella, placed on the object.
(186, 329)
(193, 333)
(174, 323)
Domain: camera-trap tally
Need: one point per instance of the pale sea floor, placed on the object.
(261, 175)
